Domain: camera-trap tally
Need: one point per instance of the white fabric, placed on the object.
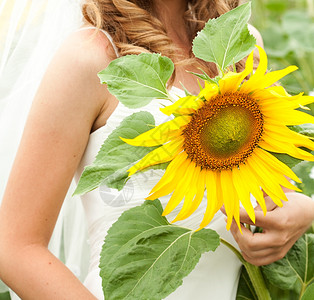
(215, 277)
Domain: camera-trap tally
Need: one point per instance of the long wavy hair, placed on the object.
(135, 26)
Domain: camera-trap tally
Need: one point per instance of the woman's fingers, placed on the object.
(260, 248)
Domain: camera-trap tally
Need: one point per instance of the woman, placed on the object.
(72, 114)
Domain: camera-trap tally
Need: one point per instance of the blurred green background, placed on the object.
(287, 27)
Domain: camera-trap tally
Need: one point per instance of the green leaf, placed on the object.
(5, 296)
(296, 270)
(304, 171)
(144, 257)
(137, 79)
(205, 77)
(226, 40)
(309, 293)
(115, 157)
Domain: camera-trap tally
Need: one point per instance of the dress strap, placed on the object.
(107, 35)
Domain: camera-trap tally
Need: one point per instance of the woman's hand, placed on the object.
(282, 227)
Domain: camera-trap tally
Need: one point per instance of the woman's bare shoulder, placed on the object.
(88, 48)
(73, 72)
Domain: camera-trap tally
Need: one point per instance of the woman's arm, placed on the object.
(68, 105)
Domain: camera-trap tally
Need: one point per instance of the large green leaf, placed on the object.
(144, 257)
(137, 79)
(309, 293)
(226, 40)
(296, 270)
(115, 157)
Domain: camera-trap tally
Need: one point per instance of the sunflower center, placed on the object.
(224, 132)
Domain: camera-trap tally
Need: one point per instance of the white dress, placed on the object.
(216, 275)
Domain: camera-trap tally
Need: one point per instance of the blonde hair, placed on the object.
(135, 27)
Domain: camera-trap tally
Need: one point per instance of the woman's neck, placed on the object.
(171, 13)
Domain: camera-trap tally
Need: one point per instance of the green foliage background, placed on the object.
(287, 27)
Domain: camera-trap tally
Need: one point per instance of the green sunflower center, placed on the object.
(224, 132)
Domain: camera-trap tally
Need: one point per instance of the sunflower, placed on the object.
(223, 140)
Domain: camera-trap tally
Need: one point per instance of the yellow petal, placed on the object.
(276, 173)
(278, 90)
(196, 188)
(185, 105)
(288, 117)
(267, 179)
(249, 177)
(198, 197)
(170, 181)
(160, 134)
(273, 77)
(214, 202)
(160, 155)
(262, 66)
(270, 144)
(209, 91)
(261, 81)
(227, 194)
(250, 85)
(180, 190)
(231, 81)
(276, 164)
(284, 134)
(243, 191)
(171, 171)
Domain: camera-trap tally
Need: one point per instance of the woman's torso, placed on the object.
(216, 275)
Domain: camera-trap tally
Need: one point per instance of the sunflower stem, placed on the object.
(254, 273)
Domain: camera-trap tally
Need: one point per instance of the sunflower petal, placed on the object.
(209, 91)
(195, 188)
(185, 105)
(289, 117)
(169, 184)
(198, 197)
(244, 192)
(254, 185)
(276, 164)
(261, 81)
(231, 81)
(267, 180)
(228, 195)
(180, 190)
(284, 134)
(160, 134)
(160, 155)
(213, 201)
(170, 172)
(270, 144)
